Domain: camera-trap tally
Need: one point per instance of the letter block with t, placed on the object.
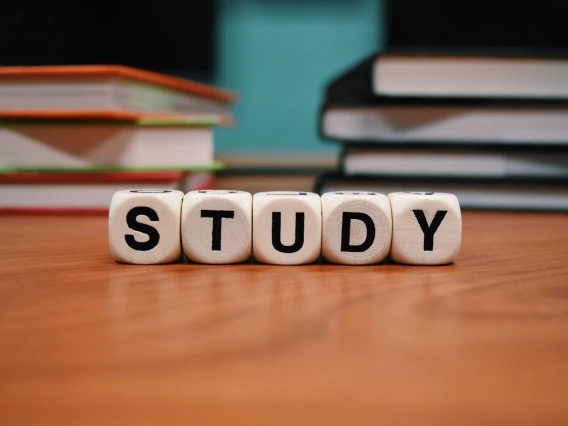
(144, 226)
(357, 227)
(216, 226)
(427, 227)
(286, 227)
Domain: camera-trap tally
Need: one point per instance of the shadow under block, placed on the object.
(427, 227)
(357, 227)
(216, 226)
(144, 226)
(286, 227)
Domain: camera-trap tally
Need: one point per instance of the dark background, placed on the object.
(277, 54)
(172, 36)
(538, 24)
(178, 36)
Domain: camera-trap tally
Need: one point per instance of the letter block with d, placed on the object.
(144, 226)
(427, 227)
(286, 227)
(357, 227)
(216, 226)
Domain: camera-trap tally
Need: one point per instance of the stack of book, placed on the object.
(70, 136)
(491, 128)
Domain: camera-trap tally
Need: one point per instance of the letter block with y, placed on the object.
(357, 227)
(286, 227)
(144, 226)
(427, 227)
(216, 226)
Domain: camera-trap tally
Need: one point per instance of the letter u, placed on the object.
(277, 230)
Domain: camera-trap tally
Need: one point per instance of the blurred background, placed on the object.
(278, 55)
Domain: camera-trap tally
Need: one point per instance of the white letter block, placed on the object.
(357, 227)
(286, 227)
(427, 227)
(144, 226)
(216, 226)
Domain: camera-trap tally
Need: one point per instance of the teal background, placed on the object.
(278, 55)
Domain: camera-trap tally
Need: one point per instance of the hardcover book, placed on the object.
(449, 163)
(105, 91)
(82, 146)
(496, 73)
(532, 194)
(86, 192)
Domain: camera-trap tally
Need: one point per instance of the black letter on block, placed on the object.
(217, 216)
(430, 230)
(153, 234)
(277, 230)
(346, 232)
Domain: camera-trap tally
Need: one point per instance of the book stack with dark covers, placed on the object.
(70, 136)
(491, 128)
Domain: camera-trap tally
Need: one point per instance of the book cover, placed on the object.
(438, 122)
(78, 72)
(523, 75)
(86, 193)
(106, 92)
(513, 194)
(74, 146)
(516, 162)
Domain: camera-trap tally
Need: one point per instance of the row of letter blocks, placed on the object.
(284, 228)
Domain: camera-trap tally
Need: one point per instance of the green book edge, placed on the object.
(188, 121)
(213, 167)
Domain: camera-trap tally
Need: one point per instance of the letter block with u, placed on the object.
(144, 226)
(286, 227)
(357, 227)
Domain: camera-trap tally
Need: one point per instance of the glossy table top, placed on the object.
(84, 340)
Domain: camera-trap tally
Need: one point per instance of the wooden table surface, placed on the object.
(86, 341)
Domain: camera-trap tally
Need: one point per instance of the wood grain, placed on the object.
(86, 341)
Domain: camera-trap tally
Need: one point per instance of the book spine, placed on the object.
(320, 129)
(354, 85)
(322, 179)
(342, 154)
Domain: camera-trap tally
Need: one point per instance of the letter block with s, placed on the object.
(144, 226)
(427, 227)
(357, 227)
(216, 226)
(286, 227)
